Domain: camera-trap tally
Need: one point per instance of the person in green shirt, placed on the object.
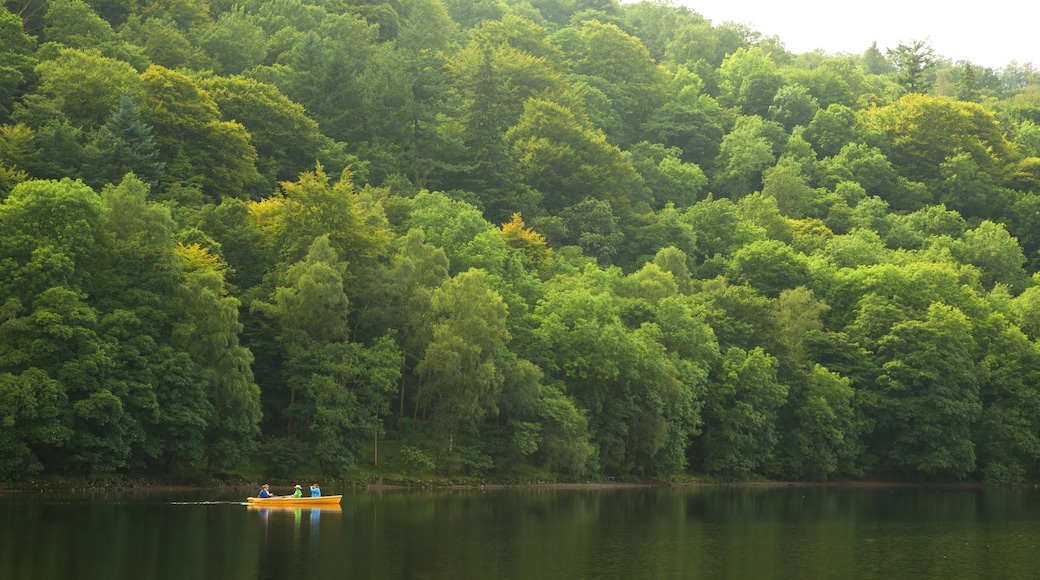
(298, 492)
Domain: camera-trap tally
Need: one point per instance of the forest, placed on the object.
(514, 240)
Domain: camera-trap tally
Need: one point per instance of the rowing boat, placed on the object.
(288, 500)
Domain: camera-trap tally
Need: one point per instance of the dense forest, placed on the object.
(508, 239)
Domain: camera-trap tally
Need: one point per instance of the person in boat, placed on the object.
(298, 492)
(265, 491)
(315, 490)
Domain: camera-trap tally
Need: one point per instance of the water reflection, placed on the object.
(290, 538)
(653, 533)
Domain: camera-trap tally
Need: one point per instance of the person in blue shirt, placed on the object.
(315, 490)
(265, 491)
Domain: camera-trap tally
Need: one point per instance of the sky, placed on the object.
(992, 33)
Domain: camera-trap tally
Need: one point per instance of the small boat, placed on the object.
(288, 500)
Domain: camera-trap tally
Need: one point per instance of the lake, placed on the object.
(755, 532)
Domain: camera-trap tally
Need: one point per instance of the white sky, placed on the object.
(990, 33)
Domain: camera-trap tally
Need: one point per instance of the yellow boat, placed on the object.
(288, 500)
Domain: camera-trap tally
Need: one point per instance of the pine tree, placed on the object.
(127, 145)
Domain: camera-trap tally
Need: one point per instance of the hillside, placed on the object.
(508, 239)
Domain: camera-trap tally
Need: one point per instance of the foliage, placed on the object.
(586, 238)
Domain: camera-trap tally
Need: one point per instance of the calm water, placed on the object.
(717, 532)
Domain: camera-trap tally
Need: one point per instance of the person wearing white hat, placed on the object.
(298, 492)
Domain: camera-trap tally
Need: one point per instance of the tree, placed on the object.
(74, 24)
(567, 161)
(164, 43)
(16, 60)
(740, 413)
(235, 42)
(748, 79)
(188, 127)
(875, 173)
(418, 269)
(819, 436)
(85, 86)
(918, 133)
(207, 328)
(769, 266)
(792, 106)
(968, 84)
(535, 253)
(998, 256)
(486, 119)
(927, 396)
(915, 63)
(666, 175)
(744, 154)
(831, 129)
(606, 52)
(404, 93)
(720, 229)
(349, 392)
(126, 145)
(642, 404)
(312, 207)
(32, 405)
(451, 225)
(461, 367)
(287, 141)
(1006, 434)
(593, 226)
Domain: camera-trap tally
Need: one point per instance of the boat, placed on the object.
(288, 500)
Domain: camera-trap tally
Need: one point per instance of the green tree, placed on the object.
(287, 141)
(235, 42)
(638, 86)
(996, 254)
(831, 129)
(16, 60)
(1006, 433)
(164, 43)
(405, 95)
(126, 145)
(312, 207)
(691, 120)
(642, 405)
(968, 84)
(918, 133)
(739, 415)
(461, 368)
(208, 329)
(349, 390)
(915, 65)
(74, 24)
(792, 106)
(744, 154)
(666, 175)
(567, 161)
(418, 269)
(188, 126)
(84, 86)
(32, 406)
(819, 438)
(309, 310)
(927, 396)
(769, 266)
(748, 79)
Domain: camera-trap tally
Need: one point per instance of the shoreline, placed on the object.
(381, 485)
